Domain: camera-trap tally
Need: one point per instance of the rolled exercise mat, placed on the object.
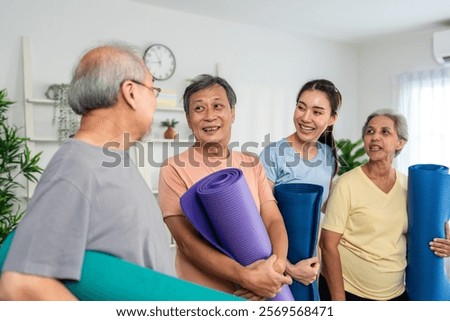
(108, 278)
(221, 208)
(428, 210)
(300, 206)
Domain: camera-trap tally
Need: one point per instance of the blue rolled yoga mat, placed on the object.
(300, 206)
(221, 208)
(428, 210)
(108, 278)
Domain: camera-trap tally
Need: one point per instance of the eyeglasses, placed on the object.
(156, 90)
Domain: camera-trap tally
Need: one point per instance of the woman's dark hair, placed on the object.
(205, 81)
(335, 99)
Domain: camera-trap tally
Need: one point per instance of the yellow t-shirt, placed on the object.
(373, 225)
(180, 172)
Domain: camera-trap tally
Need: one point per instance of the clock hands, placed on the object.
(160, 61)
(158, 54)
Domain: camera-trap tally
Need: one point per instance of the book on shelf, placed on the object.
(167, 99)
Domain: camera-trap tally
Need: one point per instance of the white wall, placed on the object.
(382, 59)
(265, 68)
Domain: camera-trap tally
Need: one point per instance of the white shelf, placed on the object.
(153, 140)
(52, 102)
(176, 109)
(41, 101)
(44, 140)
(163, 140)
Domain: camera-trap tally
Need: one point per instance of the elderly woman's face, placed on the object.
(381, 140)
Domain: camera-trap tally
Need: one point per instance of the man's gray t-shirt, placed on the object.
(89, 198)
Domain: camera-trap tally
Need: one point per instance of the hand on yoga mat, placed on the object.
(262, 279)
(441, 247)
(248, 295)
(304, 271)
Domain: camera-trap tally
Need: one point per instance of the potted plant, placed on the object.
(350, 154)
(16, 165)
(170, 132)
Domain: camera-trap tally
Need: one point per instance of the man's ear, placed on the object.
(128, 91)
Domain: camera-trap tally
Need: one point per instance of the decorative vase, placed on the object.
(170, 133)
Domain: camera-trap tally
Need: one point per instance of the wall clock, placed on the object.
(160, 60)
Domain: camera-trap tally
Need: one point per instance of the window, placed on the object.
(424, 99)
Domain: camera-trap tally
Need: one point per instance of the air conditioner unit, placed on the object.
(441, 46)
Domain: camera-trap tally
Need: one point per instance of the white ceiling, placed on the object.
(341, 20)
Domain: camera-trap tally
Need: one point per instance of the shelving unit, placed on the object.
(40, 101)
(177, 109)
(48, 142)
(29, 119)
(43, 135)
(163, 140)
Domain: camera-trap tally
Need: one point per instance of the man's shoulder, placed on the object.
(175, 160)
(244, 154)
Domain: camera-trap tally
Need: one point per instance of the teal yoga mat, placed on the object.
(428, 210)
(108, 278)
(300, 206)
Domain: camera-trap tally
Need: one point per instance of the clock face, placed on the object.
(160, 61)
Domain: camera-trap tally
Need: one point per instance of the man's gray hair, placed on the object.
(100, 73)
(205, 81)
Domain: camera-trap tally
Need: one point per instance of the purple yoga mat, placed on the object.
(221, 208)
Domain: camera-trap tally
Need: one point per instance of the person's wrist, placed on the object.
(289, 268)
(280, 266)
(243, 277)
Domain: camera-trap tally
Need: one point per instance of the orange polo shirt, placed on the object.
(180, 172)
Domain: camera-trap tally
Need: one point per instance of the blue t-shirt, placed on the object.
(284, 166)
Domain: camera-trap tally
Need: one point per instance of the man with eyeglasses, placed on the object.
(85, 199)
(156, 90)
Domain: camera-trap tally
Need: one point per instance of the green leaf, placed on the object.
(350, 154)
(169, 123)
(16, 162)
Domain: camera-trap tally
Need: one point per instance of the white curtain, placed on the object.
(424, 99)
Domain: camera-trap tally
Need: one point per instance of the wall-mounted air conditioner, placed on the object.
(441, 46)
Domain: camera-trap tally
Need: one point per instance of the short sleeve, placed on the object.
(170, 189)
(264, 189)
(268, 161)
(51, 238)
(338, 208)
